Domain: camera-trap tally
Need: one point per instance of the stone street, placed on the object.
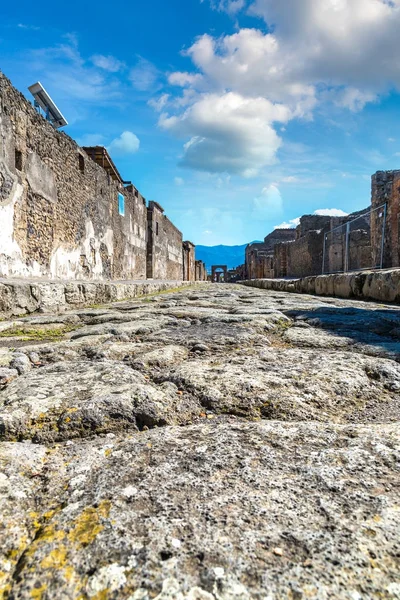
(213, 443)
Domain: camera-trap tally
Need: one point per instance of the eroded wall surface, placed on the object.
(189, 261)
(259, 255)
(164, 246)
(386, 190)
(201, 272)
(58, 209)
(305, 255)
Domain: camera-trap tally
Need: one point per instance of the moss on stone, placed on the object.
(27, 334)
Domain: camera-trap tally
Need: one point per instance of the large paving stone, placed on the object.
(77, 399)
(219, 443)
(220, 512)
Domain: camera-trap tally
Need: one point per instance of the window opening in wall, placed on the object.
(121, 204)
(18, 160)
(156, 228)
(136, 194)
(81, 163)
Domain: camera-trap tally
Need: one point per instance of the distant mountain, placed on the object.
(232, 256)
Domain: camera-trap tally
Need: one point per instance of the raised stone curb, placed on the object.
(383, 286)
(19, 297)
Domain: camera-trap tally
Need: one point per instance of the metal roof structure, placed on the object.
(100, 155)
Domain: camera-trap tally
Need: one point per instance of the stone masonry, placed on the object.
(386, 190)
(164, 246)
(368, 232)
(259, 256)
(63, 215)
(189, 261)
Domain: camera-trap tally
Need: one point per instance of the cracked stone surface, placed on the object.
(219, 443)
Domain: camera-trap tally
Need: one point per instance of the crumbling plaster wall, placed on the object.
(59, 212)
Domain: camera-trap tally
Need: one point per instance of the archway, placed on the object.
(218, 273)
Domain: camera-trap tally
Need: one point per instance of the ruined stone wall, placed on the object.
(252, 260)
(201, 273)
(58, 209)
(313, 223)
(259, 256)
(277, 236)
(304, 256)
(189, 261)
(360, 249)
(173, 241)
(386, 189)
(281, 259)
(198, 270)
(164, 245)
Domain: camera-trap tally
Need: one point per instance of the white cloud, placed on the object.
(126, 143)
(183, 79)
(338, 42)
(108, 63)
(322, 212)
(159, 103)
(70, 78)
(144, 76)
(330, 212)
(354, 99)
(292, 224)
(228, 133)
(343, 52)
(31, 27)
(230, 6)
(179, 181)
(290, 179)
(251, 63)
(268, 204)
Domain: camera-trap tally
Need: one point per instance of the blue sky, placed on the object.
(235, 115)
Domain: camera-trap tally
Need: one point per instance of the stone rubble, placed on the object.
(217, 443)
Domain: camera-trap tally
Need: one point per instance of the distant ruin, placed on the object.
(368, 239)
(67, 213)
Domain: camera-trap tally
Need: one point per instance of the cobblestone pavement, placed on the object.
(215, 443)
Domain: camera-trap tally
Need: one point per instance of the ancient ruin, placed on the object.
(163, 438)
(66, 211)
(218, 273)
(368, 239)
